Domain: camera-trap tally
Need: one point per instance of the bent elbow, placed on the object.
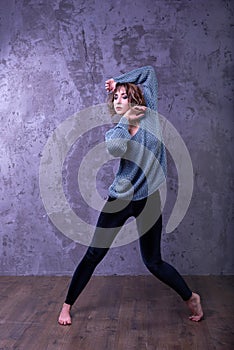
(150, 69)
(116, 150)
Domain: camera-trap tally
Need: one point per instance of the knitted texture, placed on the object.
(142, 166)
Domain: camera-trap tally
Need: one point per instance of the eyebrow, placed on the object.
(123, 93)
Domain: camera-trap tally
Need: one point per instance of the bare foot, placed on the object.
(65, 317)
(194, 304)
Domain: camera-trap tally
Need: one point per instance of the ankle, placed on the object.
(67, 306)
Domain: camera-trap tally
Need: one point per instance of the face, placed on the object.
(121, 103)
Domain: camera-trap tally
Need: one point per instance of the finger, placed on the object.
(139, 108)
(139, 115)
(139, 112)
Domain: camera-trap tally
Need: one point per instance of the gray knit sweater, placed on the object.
(142, 166)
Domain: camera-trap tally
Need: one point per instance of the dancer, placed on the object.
(137, 141)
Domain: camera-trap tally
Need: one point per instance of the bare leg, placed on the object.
(194, 304)
(65, 317)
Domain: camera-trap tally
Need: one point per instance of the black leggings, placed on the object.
(149, 225)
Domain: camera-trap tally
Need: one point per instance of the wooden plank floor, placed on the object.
(115, 313)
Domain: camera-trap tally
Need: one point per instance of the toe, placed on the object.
(195, 318)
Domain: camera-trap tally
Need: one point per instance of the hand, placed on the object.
(135, 112)
(110, 85)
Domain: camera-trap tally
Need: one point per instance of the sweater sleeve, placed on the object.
(147, 78)
(117, 138)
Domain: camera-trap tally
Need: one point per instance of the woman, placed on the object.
(136, 139)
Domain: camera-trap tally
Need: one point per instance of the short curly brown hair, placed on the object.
(134, 93)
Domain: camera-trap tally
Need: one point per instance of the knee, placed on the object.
(153, 266)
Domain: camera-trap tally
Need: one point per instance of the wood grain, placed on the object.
(115, 313)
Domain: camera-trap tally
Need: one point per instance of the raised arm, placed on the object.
(147, 78)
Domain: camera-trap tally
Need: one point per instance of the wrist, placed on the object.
(124, 121)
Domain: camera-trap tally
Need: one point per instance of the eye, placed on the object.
(115, 97)
(125, 97)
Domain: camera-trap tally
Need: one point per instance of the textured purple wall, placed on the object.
(55, 57)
